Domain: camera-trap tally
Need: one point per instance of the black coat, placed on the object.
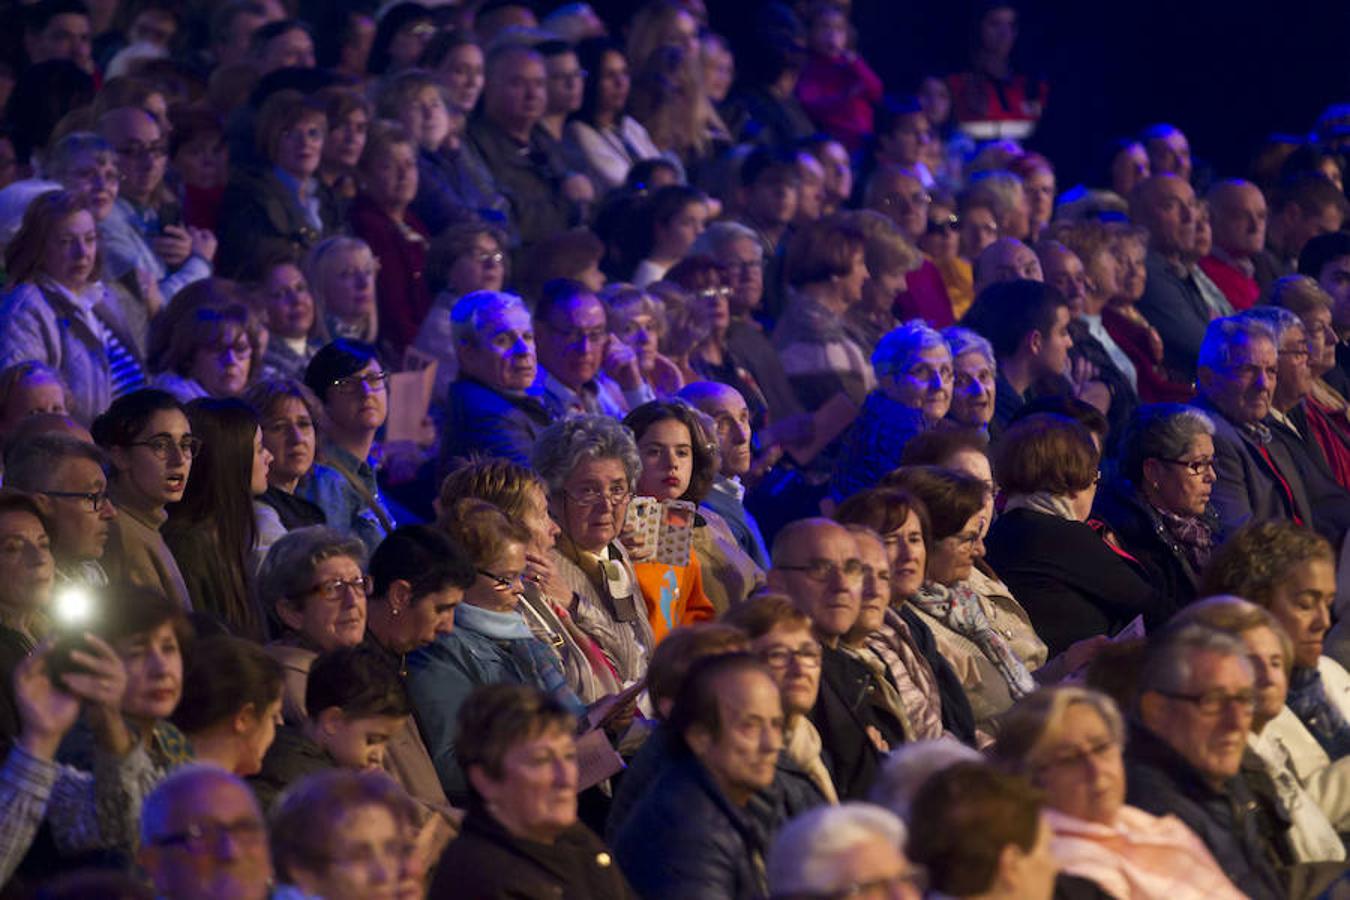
(291, 757)
(1329, 501)
(686, 841)
(1142, 533)
(843, 712)
(1072, 585)
(486, 862)
(14, 647)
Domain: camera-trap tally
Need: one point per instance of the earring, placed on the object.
(395, 611)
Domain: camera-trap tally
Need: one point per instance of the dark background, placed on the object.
(1229, 74)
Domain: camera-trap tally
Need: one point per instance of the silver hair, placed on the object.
(1222, 335)
(1038, 717)
(565, 445)
(718, 236)
(1168, 667)
(997, 189)
(1161, 431)
(472, 311)
(31, 463)
(288, 570)
(806, 856)
(962, 341)
(1278, 318)
(910, 765)
(159, 807)
(898, 347)
(62, 156)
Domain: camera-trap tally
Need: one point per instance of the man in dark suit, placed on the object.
(1257, 479)
(488, 410)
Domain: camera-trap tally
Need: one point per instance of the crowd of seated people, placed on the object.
(519, 449)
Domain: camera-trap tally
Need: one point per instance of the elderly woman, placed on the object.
(832, 851)
(1122, 318)
(1073, 584)
(827, 268)
(1313, 791)
(490, 644)
(1326, 408)
(59, 313)
(294, 330)
(365, 847)
(706, 314)
(1158, 505)
(521, 494)
(466, 258)
(974, 378)
(518, 749)
(348, 379)
(207, 343)
(913, 369)
(889, 259)
(680, 462)
(281, 205)
(341, 272)
(1067, 741)
(29, 388)
(289, 413)
(1290, 571)
(638, 318)
(591, 467)
(313, 584)
(26, 576)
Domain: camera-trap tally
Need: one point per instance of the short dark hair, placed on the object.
(703, 441)
(762, 613)
(556, 293)
(360, 681)
(38, 16)
(29, 462)
(952, 498)
(1046, 452)
(892, 110)
(968, 814)
(125, 611)
(763, 160)
(696, 704)
(423, 556)
(273, 30)
(498, 716)
(884, 510)
(129, 414)
(938, 445)
(221, 676)
(1321, 250)
(1006, 312)
(1311, 192)
(550, 49)
(1082, 412)
(337, 360)
(682, 648)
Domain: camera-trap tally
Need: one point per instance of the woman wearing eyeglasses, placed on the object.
(147, 436)
(312, 582)
(1158, 506)
(1068, 742)
(212, 530)
(353, 387)
(208, 342)
(491, 644)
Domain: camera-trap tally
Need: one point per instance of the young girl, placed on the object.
(837, 88)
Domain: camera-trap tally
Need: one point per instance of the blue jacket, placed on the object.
(486, 647)
(479, 419)
(873, 444)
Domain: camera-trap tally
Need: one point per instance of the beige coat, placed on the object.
(136, 553)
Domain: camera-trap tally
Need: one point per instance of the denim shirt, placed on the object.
(344, 507)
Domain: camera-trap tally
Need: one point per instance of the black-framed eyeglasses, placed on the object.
(825, 569)
(948, 225)
(355, 384)
(333, 588)
(808, 655)
(94, 500)
(502, 582)
(1197, 467)
(1211, 703)
(188, 446)
(197, 839)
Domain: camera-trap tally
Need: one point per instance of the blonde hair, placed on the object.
(319, 267)
(1035, 720)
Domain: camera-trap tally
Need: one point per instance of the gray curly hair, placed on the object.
(565, 445)
(288, 570)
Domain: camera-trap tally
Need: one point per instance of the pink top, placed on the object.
(1139, 857)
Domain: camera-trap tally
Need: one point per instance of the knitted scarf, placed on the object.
(958, 607)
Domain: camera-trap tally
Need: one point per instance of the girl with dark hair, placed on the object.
(149, 440)
(212, 530)
(602, 140)
(402, 35)
(231, 703)
(676, 216)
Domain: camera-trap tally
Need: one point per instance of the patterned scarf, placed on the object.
(1191, 532)
(1308, 700)
(958, 607)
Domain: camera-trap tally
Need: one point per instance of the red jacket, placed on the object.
(838, 93)
(1240, 288)
(401, 287)
(925, 297)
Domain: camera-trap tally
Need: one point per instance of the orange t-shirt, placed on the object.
(674, 595)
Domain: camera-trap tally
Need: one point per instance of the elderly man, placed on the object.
(1006, 259)
(1196, 697)
(489, 409)
(1256, 477)
(899, 195)
(1301, 208)
(841, 851)
(544, 198)
(66, 477)
(1172, 301)
(1169, 152)
(203, 837)
(574, 344)
(729, 716)
(815, 562)
(735, 439)
(1238, 213)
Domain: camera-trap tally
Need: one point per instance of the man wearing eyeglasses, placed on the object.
(66, 477)
(815, 562)
(203, 837)
(1197, 696)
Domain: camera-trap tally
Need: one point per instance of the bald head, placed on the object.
(1165, 205)
(1006, 259)
(1238, 216)
(815, 562)
(515, 92)
(726, 407)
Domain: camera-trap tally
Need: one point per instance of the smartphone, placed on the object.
(170, 214)
(675, 539)
(72, 615)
